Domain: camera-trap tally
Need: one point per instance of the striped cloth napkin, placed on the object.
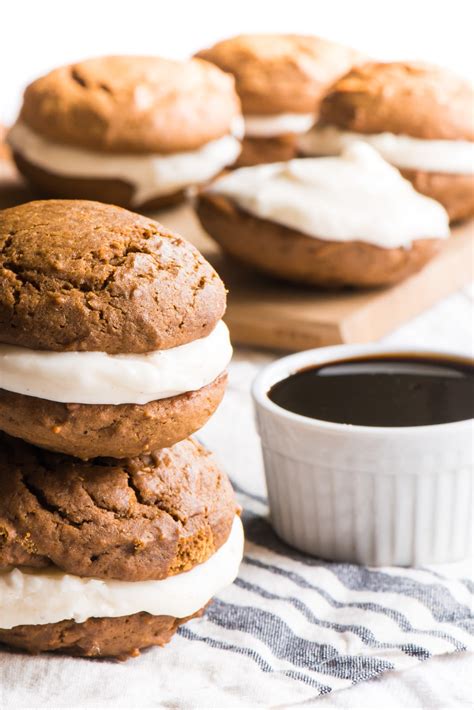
(329, 625)
(290, 630)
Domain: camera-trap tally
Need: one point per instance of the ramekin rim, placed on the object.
(281, 367)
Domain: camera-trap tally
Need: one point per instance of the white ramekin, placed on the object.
(371, 495)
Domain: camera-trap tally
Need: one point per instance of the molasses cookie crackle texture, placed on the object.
(115, 526)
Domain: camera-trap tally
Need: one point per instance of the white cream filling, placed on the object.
(101, 378)
(151, 175)
(261, 126)
(46, 596)
(355, 196)
(403, 151)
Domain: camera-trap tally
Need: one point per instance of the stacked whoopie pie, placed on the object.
(115, 526)
(133, 131)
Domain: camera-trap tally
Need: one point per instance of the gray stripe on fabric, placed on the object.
(394, 615)
(287, 645)
(362, 632)
(435, 597)
(466, 623)
(469, 584)
(187, 633)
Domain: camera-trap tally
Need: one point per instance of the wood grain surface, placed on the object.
(272, 314)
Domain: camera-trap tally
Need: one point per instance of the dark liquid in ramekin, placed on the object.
(395, 390)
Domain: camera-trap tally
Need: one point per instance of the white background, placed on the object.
(36, 35)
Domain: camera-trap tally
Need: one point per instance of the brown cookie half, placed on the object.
(280, 73)
(78, 275)
(266, 150)
(136, 519)
(407, 98)
(120, 637)
(90, 430)
(130, 104)
(454, 191)
(115, 192)
(279, 251)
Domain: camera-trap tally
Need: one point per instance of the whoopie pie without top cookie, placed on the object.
(419, 117)
(134, 131)
(111, 342)
(105, 557)
(280, 79)
(350, 220)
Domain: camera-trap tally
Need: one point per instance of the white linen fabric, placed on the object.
(292, 630)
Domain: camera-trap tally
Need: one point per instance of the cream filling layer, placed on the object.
(355, 196)
(46, 596)
(261, 126)
(151, 175)
(101, 378)
(441, 156)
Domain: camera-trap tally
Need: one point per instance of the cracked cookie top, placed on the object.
(132, 104)
(132, 519)
(277, 73)
(408, 98)
(78, 275)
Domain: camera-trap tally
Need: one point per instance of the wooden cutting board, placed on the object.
(267, 313)
(271, 314)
